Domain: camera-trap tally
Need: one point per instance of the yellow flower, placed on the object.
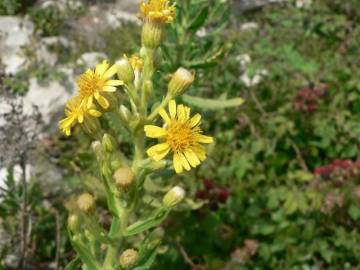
(93, 84)
(136, 62)
(76, 112)
(158, 10)
(182, 136)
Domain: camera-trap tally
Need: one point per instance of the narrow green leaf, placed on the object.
(143, 225)
(85, 256)
(199, 20)
(147, 263)
(73, 265)
(212, 104)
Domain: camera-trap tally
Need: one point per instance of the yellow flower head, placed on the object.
(136, 62)
(93, 83)
(158, 10)
(182, 136)
(76, 112)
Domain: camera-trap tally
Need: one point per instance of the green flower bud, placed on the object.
(129, 258)
(125, 113)
(158, 57)
(86, 203)
(124, 178)
(74, 222)
(109, 143)
(91, 125)
(97, 148)
(152, 34)
(116, 160)
(174, 196)
(181, 80)
(125, 71)
(148, 89)
(113, 100)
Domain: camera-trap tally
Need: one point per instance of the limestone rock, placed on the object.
(15, 33)
(91, 59)
(50, 99)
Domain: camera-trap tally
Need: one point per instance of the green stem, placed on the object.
(156, 111)
(117, 229)
(148, 73)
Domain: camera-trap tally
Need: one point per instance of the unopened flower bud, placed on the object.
(97, 148)
(74, 222)
(152, 34)
(158, 57)
(125, 113)
(125, 71)
(174, 196)
(91, 125)
(109, 143)
(129, 258)
(124, 178)
(136, 62)
(116, 160)
(148, 89)
(181, 80)
(86, 203)
(113, 100)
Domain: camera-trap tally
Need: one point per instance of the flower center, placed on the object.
(181, 136)
(89, 83)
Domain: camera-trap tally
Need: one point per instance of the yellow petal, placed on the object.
(114, 83)
(97, 94)
(110, 72)
(67, 122)
(200, 152)
(154, 131)
(184, 162)
(195, 120)
(187, 112)
(95, 113)
(158, 148)
(181, 112)
(68, 131)
(90, 101)
(164, 116)
(192, 157)
(81, 118)
(103, 102)
(172, 108)
(109, 88)
(101, 68)
(205, 139)
(177, 164)
(159, 151)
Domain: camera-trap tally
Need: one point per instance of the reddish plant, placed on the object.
(308, 98)
(214, 193)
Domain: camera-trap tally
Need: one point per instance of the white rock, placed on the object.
(57, 40)
(249, 26)
(50, 98)
(15, 33)
(14, 62)
(303, 3)
(116, 18)
(17, 174)
(62, 5)
(44, 53)
(91, 59)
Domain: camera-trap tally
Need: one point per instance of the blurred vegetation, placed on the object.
(299, 72)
